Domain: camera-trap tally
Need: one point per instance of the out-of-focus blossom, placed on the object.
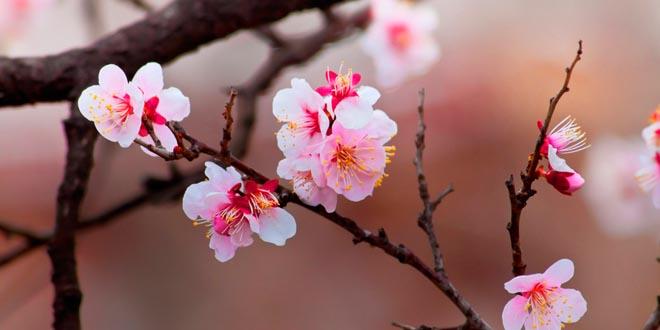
(400, 40)
(567, 137)
(15, 14)
(160, 105)
(619, 206)
(651, 135)
(350, 105)
(325, 157)
(114, 105)
(541, 303)
(648, 176)
(561, 176)
(233, 211)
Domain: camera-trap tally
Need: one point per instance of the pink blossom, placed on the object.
(651, 135)
(567, 137)
(648, 176)
(308, 181)
(160, 105)
(350, 105)
(619, 206)
(114, 105)
(541, 303)
(400, 40)
(561, 176)
(233, 211)
(354, 161)
(301, 108)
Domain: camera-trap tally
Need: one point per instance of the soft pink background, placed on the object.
(501, 62)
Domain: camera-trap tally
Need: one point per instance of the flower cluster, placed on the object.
(332, 139)
(400, 40)
(540, 302)
(565, 138)
(233, 211)
(119, 108)
(648, 176)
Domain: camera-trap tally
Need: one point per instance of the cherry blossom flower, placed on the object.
(308, 181)
(160, 105)
(354, 161)
(400, 40)
(567, 137)
(15, 13)
(648, 176)
(541, 303)
(114, 105)
(651, 135)
(301, 108)
(561, 176)
(233, 211)
(620, 208)
(350, 105)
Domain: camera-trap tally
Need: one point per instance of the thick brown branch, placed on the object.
(518, 200)
(161, 36)
(81, 137)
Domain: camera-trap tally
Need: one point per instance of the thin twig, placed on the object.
(519, 199)
(423, 327)
(229, 121)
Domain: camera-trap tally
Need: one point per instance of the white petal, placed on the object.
(276, 226)
(354, 112)
(173, 104)
(369, 94)
(149, 78)
(113, 79)
(557, 163)
(559, 273)
(223, 247)
(515, 313)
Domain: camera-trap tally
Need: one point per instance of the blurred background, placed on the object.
(501, 61)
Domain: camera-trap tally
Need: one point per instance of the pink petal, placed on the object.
(381, 128)
(173, 104)
(559, 273)
(165, 136)
(149, 78)
(276, 225)
(569, 305)
(515, 313)
(369, 94)
(523, 283)
(242, 236)
(353, 112)
(113, 79)
(221, 179)
(194, 205)
(223, 247)
(86, 103)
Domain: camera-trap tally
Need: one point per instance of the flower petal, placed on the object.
(557, 163)
(223, 247)
(194, 200)
(369, 94)
(559, 273)
(569, 306)
(515, 313)
(276, 226)
(173, 104)
(149, 78)
(354, 112)
(113, 79)
(523, 283)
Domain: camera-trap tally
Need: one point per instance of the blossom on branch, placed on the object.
(160, 105)
(648, 176)
(651, 135)
(114, 105)
(234, 210)
(561, 176)
(541, 303)
(332, 139)
(567, 137)
(400, 40)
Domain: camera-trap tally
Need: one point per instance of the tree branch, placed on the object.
(653, 322)
(161, 36)
(81, 137)
(519, 199)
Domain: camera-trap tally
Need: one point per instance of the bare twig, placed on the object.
(653, 322)
(423, 327)
(519, 199)
(229, 121)
(141, 4)
(10, 230)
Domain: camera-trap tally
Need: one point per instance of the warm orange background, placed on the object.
(501, 62)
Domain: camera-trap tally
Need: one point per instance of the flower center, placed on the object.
(115, 109)
(400, 36)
